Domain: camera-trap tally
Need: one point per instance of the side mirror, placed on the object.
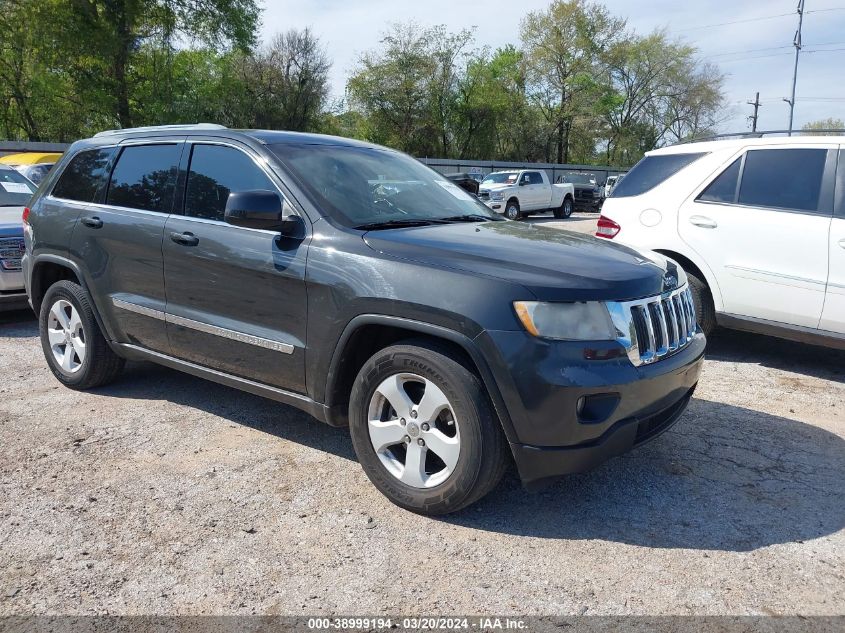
(523, 182)
(259, 210)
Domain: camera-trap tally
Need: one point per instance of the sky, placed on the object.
(754, 51)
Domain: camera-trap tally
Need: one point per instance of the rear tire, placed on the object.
(391, 407)
(565, 209)
(703, 300)
(75, 349)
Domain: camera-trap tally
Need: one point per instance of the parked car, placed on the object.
(587, 192)
(520, 192)
(758, 224)
(34, 165)
(610, 183)
(448, 339)
(15, 193)
(465, 181)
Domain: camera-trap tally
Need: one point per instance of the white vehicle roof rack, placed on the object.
(159, 128)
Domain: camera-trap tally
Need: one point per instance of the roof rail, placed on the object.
(158, 128)
(759, 134)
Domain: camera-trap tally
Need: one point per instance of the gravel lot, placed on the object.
(167, 494)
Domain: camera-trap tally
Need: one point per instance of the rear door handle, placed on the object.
(842, 242)
(702, 222)
(186, 239)
(94, 223)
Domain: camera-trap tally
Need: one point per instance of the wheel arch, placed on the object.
(699, 271)
(47, 270)
(366, 334)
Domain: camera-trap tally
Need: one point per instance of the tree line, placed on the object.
(578, 86)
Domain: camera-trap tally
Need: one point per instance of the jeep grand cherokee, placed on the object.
(352, 282)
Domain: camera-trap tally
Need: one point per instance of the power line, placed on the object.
(757, 19)
(710, 26)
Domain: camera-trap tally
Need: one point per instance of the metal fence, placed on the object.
(553, 170)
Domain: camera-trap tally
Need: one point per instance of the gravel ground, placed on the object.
(166, 494)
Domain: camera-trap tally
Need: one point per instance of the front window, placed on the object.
(501, 178)
(360, 187)
(15, 189)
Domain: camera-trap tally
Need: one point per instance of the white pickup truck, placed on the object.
(520, 192)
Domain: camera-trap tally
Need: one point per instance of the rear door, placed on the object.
(236, 299)
(118, 239)
(833, 315)
(762, 225)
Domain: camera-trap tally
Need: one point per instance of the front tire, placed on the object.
(75, 349)
(512, 210)
(703, 301)
(424, 430)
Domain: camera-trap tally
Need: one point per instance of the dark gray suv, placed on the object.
(352, 282)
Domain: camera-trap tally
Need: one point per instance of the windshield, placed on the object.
(502, 177)
(361, 186)
(580, 179)
(15, 189)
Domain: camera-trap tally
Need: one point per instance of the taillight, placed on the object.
(25, 216)
(607, 228)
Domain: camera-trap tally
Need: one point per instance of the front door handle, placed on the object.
(94, 223)
(842, 242)
(702, 222)
(186, 239)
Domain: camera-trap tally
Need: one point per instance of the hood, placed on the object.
(497, 186)
(554, 265)
(11, 223)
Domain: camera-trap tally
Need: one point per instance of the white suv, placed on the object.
(758, 224)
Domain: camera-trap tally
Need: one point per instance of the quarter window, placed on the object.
(783, 178)
(215, 172)
(650, 172)
(723, 189)
(83, 175)
(145, 178)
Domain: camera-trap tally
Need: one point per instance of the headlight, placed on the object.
(497, 195)
(586, 321)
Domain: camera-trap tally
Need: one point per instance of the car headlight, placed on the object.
(584, 321)
(497, 195)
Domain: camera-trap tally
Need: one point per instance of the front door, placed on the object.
(236, 299)
(762, 226)
(119, 236)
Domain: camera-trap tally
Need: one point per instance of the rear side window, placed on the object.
(723, 189)
(145, 177)
(783, 178)
(650, 172)
(215, 172)
(84, 175)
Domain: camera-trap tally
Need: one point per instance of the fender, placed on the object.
(467, 344)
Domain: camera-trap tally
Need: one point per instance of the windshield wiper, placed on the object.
(469, 217)
(395, 224)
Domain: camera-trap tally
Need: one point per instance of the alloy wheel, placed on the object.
(66, 336)
(413, 430)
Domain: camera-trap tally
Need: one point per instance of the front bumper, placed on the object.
(569, 414)
(495, 205)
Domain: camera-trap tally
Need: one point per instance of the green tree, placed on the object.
(563, 47)
(829, 123)
(284, 85)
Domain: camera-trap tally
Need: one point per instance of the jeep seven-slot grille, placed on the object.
(11, 251)
(655, 327)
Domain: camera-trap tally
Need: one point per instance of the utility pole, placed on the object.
(756, 104)
(797, 43)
